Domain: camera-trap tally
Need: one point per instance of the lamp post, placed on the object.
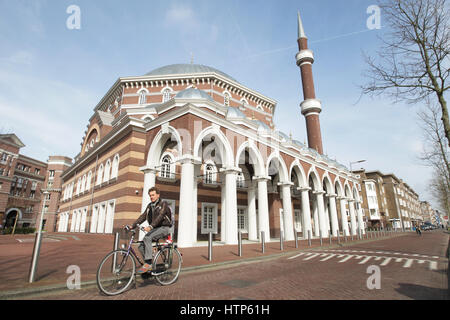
(37, 243)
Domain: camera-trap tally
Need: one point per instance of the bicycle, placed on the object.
(117, 270)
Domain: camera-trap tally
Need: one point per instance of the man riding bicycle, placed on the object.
(159, 218)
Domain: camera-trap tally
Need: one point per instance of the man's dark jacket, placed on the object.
(159, 217)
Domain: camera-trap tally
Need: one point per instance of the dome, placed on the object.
(283, 136)
(179, 69)
(193, 93)
(261, 125)
(235, 113)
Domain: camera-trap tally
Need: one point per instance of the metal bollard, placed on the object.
(281, 240)
(338, 237)
(210, 246)
(330, 236)
(345, 235)
(296, 238)
(263, 242)
(35, 257)
(309, 238)
(320, 236)
(115, 247)
(240, 242)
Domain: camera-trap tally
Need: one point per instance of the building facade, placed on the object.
(210, 145)
(21, 183)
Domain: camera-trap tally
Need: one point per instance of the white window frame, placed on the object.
(107, 171)
(94, 218)
(142, 96)
(163, 172)
(115, 166)
(166, 93)
(88, 181)
(99, 175)
(210, 176)
(214, 218)
(245, 217)
(298, 220)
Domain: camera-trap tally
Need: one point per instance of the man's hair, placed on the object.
(153, 189)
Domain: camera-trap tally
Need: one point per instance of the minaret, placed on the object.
(311, 107)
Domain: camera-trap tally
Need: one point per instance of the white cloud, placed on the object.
(21, 57)
(48, 116)
(181, 16)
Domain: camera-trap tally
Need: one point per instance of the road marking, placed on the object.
(296, 256)
(347, 258)
(365, 260)
(311, 257)
(408, 263)
(398, 259)
(329, 257)
(433, 265)
(386, 261)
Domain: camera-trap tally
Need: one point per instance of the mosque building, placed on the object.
(210, 145)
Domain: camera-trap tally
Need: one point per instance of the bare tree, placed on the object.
(435, 152)
(413, 62)
(436, 155)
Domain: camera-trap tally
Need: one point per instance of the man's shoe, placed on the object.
(145, 268)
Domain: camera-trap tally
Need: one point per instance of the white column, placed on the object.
(306, 212)
(223, 210)
(195, 203)
(352, 215)
(321, 209)
(251, 198)
(316, 216)
(185, 215)
(344, 222)
(263, 207)
(333, 213)
(360, 218)
(287, 210)
(231, 206)
(149, 181)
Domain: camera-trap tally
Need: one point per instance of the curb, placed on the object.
(23, 293)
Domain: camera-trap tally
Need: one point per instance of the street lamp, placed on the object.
(37, 243)
(359, 161)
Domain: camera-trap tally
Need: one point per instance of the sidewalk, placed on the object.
(61, 250)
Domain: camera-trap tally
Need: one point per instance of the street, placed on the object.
(410, 267)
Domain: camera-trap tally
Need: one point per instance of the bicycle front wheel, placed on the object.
(116, 272)
(167, 266)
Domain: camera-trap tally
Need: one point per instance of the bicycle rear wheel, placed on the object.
(115, 278)
(167, 266)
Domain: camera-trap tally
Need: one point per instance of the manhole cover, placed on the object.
(238, 283)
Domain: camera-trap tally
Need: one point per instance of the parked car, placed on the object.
(425, 227)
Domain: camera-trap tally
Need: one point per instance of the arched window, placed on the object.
(107, 171)
(210, 174)
(226, 99)
(88, 181)
(166, 167)
(83, 184)
(99, 175)
(143, 97)
(78, 186)
(166, 95)
(115, 167)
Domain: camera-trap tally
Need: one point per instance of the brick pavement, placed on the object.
(89, 250)
(298, 279)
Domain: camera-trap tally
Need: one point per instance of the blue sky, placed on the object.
(52, 77)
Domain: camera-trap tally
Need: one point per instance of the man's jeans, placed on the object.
(146, 246)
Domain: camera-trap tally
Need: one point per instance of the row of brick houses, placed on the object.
(210, 145)
(388, 201)
(28, 186)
